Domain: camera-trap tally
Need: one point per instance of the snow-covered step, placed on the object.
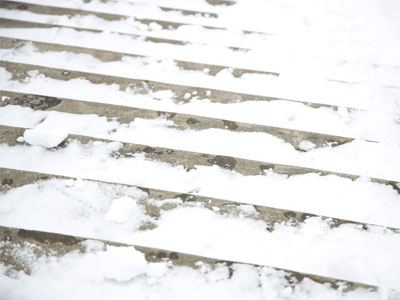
(262, 85)
(180, 93)
(11, 23)
(273, 146)
(107, 56)
(167, 272)
(125, 115)
(120, 213)
(116, 213)
(338, 121)
(188, 15)
(128, 24)
(307, 190)
(211, 7)
(156, 201)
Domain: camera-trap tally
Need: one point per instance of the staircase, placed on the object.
(159, 128)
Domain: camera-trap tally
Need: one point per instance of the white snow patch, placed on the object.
(359, 200)
(123, 272)
(352, 158)
(79, 208)
(307, 145)
(121, 263)
(121, 210)
(45, 137)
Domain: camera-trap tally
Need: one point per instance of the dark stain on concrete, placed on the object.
(266, 167)
(230, 124)
(191, 121)
(151, 150)
(290, 214)
(225, 162)
(186, 197)
(161, 255)
(7, 181)
(47, 238)
(22, 7)
(305, 216)
(167, 115)
(36, 102)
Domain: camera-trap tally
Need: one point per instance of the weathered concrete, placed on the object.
(20, 72)
(189, 160)
(108, 56)
(52, 244)
(182, 121)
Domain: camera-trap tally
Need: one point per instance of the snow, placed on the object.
(45, 138)
(79, 208)
(350, 158)
(303, 87)
(82, 275)
(121, 210)
(342, 54)
(351, 123)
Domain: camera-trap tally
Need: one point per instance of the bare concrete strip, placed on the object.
(12, 178)
(108, 56)
(183, 121)
(20, 71)
(189, 160)
(58, 245)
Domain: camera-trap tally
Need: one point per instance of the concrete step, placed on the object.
(12, 178)
(61, 11)
(190, 160)
(15, 23)
(20, 71)
(47, 244)
(108, 56)
(126, 115)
